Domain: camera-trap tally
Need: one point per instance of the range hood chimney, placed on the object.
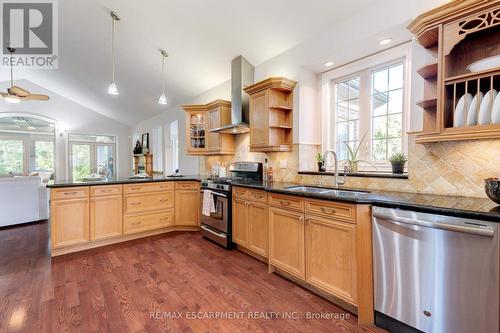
(242, 75)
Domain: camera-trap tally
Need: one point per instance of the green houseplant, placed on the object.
(398, 161)
(353, 159)
(320, 161)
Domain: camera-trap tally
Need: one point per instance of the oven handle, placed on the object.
(219, 234)
(216, 193)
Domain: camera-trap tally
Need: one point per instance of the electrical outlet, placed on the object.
(283, 164)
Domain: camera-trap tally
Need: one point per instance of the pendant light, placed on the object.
(112, 88)
(163, 98)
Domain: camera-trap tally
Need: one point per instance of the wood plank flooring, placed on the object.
(166, 283)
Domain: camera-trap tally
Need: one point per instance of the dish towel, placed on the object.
(208, 203)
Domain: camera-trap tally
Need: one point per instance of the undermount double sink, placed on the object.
(323, 190)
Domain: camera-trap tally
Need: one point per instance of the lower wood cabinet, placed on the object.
(250, 221)
(187, 209)
(69, 222)
(240, 222)
(106, 214)
(331, 256)
(286, 234)
(147, 221)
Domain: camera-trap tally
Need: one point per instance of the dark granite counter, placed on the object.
(467, 207)
(115, 181)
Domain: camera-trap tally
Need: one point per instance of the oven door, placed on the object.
(217, 220)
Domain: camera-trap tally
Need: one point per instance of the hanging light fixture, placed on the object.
(163, 97)
(112, 88)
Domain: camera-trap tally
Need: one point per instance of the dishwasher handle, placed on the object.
(471, 228)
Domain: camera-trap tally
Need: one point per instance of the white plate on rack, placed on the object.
(495, 111)
(484, 117)
(461, 109)
(484, 64)
(474, 106)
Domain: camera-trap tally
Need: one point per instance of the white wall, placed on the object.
(72, 117)
(188, 165)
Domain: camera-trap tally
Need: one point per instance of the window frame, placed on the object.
(363, 68)
(93, 151)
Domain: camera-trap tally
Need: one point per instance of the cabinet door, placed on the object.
(331, 256)
(286, 241)
(259, 128)
(186, 208)
(213, 121)
(240, 222)
(69, 222)
(258, 228)
(106, 217)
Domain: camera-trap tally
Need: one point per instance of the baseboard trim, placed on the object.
(124, 238)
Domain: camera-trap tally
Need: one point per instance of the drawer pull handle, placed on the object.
(135, 188)
(136, 223)
(135, 203)
(325, 210)
(164, 200)
(258, 196)
(164, 219)
(285, 203)
(70, 193)
(106, 190)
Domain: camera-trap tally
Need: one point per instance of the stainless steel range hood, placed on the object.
(242, 75)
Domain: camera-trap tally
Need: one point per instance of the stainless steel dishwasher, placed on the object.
(436, 273)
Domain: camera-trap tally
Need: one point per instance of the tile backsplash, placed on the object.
(453, 168)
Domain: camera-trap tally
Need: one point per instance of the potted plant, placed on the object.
(352, 156)
(319, 160)
(398, 161)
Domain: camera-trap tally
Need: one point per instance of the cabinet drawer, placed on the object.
(187, 185)
(145, 222)
(69, 193)
(286, 202)
(148, 187)
(104, 190)
(336, 210)
(257, 196)
(240, 193)
(146, 202)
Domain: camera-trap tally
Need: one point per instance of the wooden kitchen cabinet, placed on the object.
(69, 216)
(240, 222)
(271, 114)
(331, 256)
(106, 217)
(286, 247)
(250, 220)
(200, 120)
(187, 210)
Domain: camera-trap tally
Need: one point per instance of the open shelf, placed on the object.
(280, 126)
(428, 103)
(281, 108)
(428, 71)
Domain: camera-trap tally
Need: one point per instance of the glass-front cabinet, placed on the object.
(201, 120)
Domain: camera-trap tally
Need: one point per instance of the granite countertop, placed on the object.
(467, 207)
(70, 183)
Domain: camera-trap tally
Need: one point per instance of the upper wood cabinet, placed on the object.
(456, 35)
(271, 114)
(200, 121)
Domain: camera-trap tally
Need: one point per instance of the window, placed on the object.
(387, 112)
(91, 154)
(174, 146)
(42, 156)
(347, 123)
(11, 156)
(368, 112)
(157, 145)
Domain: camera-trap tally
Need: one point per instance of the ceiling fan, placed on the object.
(16, 94)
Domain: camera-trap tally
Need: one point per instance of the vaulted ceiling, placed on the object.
(201, 36)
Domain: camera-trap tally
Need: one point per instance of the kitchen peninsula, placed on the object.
(90, 214)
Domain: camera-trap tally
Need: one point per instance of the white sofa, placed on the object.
(23, 199)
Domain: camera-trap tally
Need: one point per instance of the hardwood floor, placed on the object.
(135, 286)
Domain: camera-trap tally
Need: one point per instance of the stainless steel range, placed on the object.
(217, 225)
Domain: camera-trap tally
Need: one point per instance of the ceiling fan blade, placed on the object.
(36, 97)
(18, 91)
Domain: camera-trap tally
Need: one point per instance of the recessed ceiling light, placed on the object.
(329, 64)
(385, 41)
